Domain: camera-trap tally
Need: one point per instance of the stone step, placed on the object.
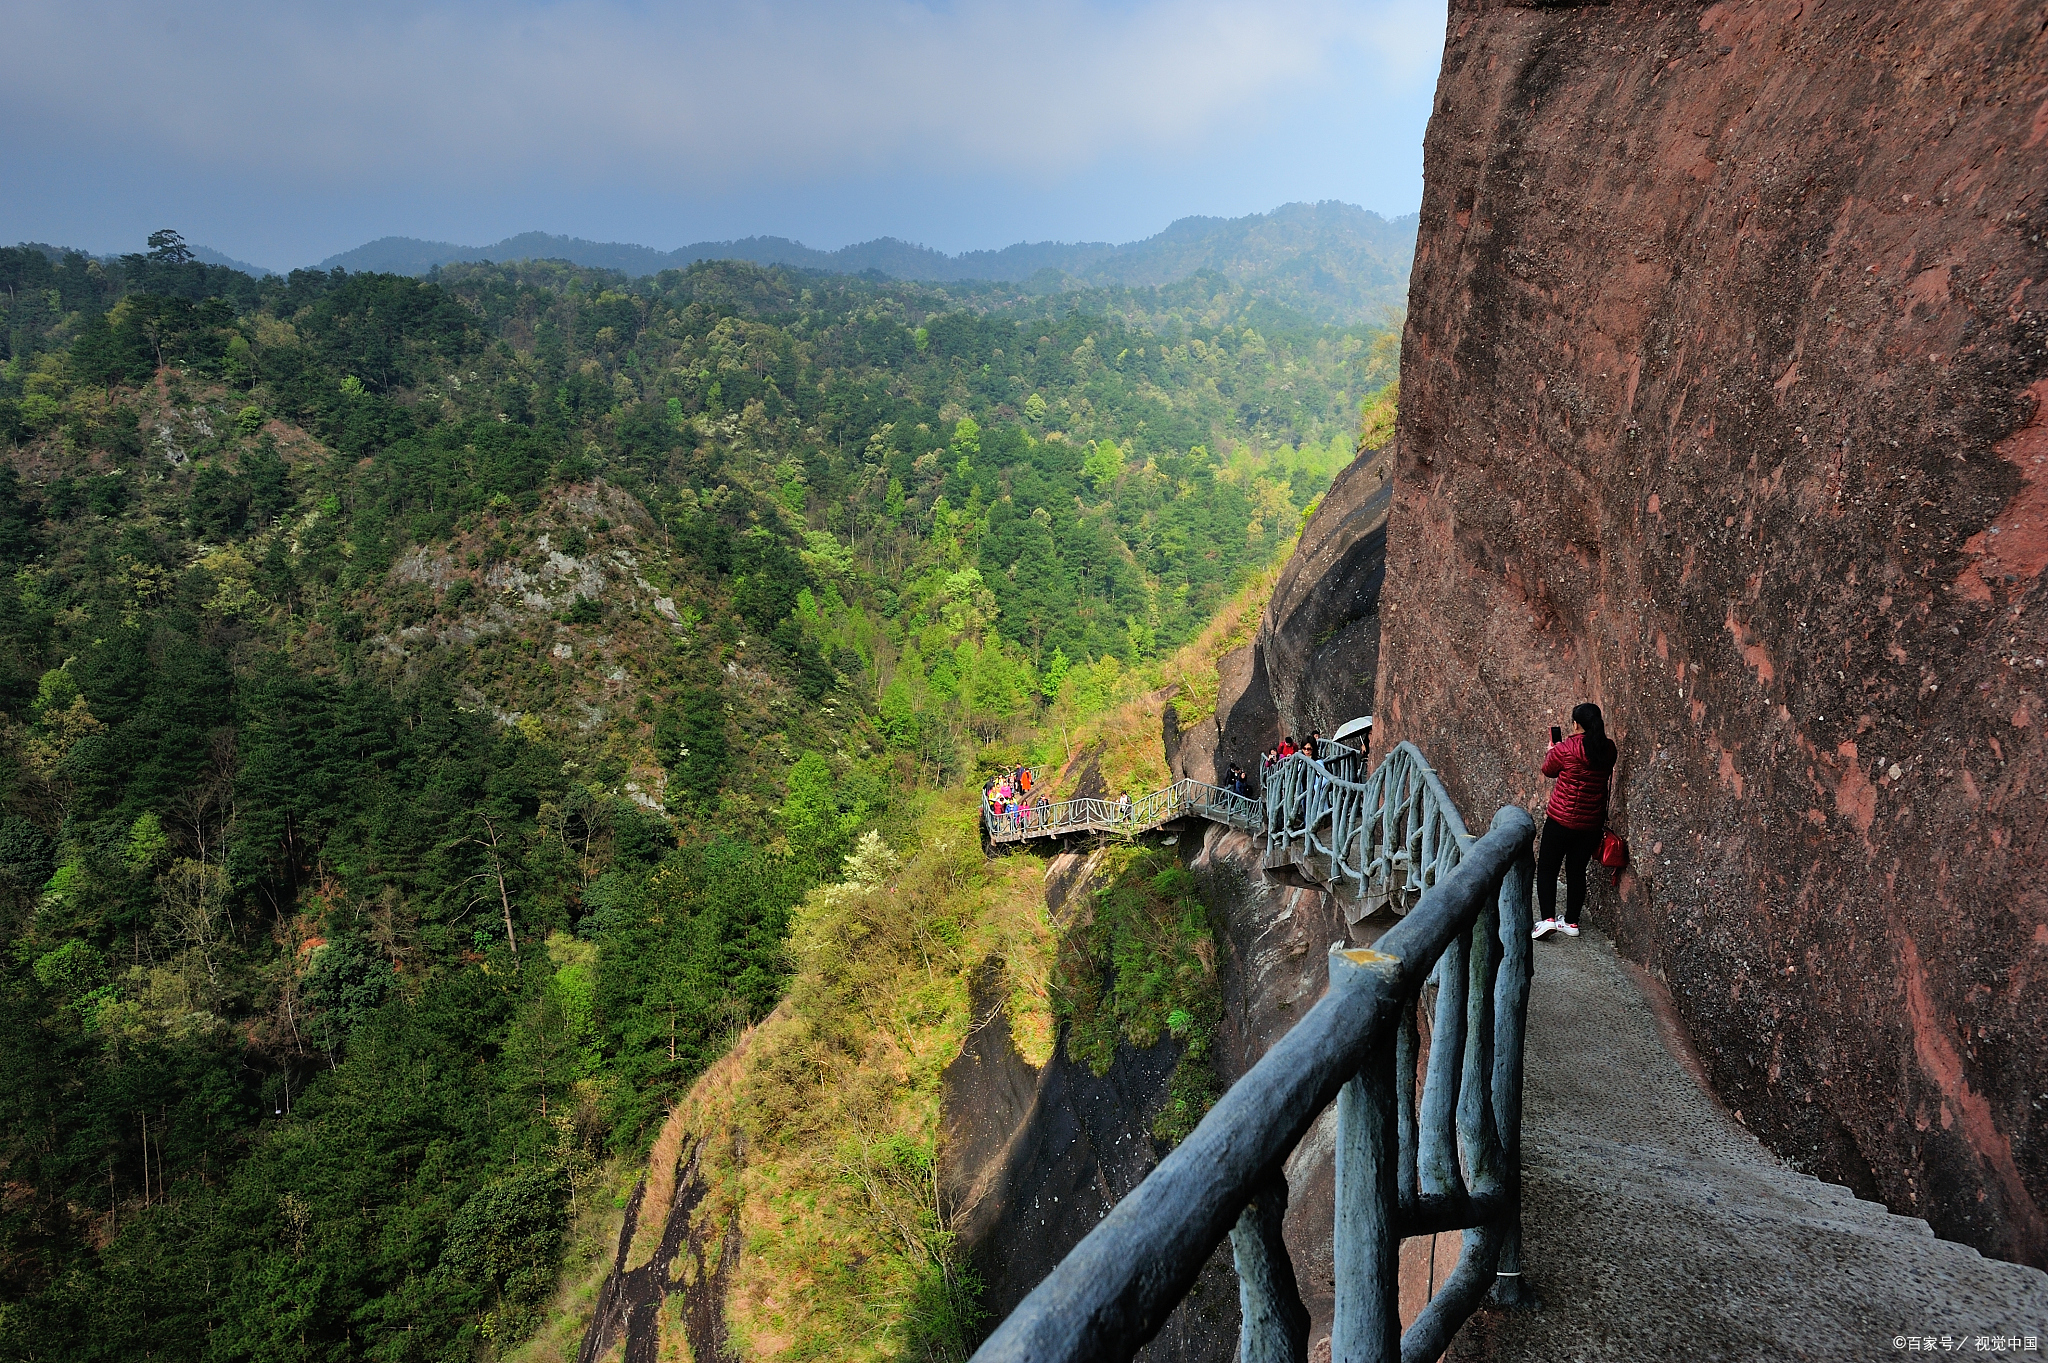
(1745, 1240)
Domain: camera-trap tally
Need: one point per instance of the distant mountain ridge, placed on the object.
(206, 255)
(203, 254)
(1332, 261)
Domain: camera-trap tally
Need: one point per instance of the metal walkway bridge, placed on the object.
(1382, 837)
(1089, 814)
(1416, 1154)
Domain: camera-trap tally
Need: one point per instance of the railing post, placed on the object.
(1274, 1326)
(1407, 1053)
(1510, 1011)
(1478, 1132)
(1367, 1251)
(1437, 1162)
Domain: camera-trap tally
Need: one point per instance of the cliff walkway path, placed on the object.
(1656, 1226)
(1640, 1220)
(1379, 838)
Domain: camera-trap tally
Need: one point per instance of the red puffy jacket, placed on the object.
(1579, 799)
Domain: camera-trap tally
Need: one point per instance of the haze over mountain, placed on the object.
(208, 256)
(1331, 261)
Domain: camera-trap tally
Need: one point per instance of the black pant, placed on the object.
(1570, 848)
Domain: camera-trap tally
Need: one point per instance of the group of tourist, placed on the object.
(1274, 756)
(1580, 764)
(1009, 795)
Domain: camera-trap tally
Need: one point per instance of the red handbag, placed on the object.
(1614, 853)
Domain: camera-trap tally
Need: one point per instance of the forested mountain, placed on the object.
(1332, 262)
(210, 257)
(426, 700)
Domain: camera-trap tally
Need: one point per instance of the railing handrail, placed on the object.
(1389, 834)
(1097, 813)
(1113, 1291)
(1397, 819)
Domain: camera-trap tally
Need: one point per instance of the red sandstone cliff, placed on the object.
(1724, 403)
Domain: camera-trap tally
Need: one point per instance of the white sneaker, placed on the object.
(1568, 929)
(1547, 925)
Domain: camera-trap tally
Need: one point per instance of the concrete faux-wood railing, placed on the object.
(1408, 1163)
(1386, 837)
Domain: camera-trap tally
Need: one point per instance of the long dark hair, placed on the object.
(1600, 749)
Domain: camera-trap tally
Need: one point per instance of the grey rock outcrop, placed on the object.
(1314, 662)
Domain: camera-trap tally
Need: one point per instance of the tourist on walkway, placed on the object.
(1581, 765)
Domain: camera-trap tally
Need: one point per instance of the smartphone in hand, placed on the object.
(1556, 735)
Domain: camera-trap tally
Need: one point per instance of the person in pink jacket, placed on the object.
(1581, 765)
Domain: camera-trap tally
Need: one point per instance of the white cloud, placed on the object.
(578, 93)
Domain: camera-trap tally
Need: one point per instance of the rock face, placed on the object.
(627, 1322)
(1035, 1157)
(1315, 659)
(1275, 968)
(1724, 404)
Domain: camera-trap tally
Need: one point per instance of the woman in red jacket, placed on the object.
(1578, 811)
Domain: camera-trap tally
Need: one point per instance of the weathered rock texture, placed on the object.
(1723, 405)
(628, 1321)
(1035, 1157)
(1313, 664)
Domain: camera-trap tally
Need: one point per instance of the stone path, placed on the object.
(1657, 1227)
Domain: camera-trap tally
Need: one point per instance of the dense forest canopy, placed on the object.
(426, 700)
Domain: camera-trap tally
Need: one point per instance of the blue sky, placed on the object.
(282, 132)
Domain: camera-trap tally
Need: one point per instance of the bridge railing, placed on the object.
(1222, 806)
(1092, 814)
(1411, 1158)
(1390, 835)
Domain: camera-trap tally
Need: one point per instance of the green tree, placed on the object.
(820, 813)
(1104, 465)
(690, 735)
(168, 248)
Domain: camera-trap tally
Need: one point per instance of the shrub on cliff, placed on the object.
(1141, 967)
